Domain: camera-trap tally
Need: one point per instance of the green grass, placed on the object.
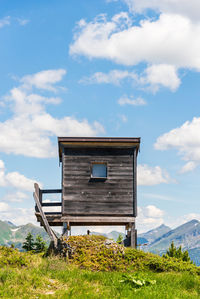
(26, 275)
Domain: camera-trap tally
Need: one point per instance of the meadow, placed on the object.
(95, 270)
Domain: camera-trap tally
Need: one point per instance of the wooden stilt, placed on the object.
(133, 243)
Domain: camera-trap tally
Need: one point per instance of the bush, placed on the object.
(28, 245)
(91, 252)
(12, 257)
(177, 253)
(39, 245)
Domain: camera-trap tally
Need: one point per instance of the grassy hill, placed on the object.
(96, 268)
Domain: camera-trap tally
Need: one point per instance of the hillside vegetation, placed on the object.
(96, 268)
(12, 234)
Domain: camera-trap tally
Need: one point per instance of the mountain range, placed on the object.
(186, 235)
(156, 240)
(12, 234)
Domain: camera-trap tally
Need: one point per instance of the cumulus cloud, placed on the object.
(129, 44)
(187, 8)
(148, 176)
(44, 79)
(14, 179)
(152, 78)
(186, 140)
(161, 75)
(149, 217)
(124, 100)
(30, 129)
(136, 43)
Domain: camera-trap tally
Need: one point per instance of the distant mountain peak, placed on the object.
(10, 223)
(193, 221)
(163, 226)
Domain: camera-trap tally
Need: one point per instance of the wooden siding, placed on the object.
(113, 197)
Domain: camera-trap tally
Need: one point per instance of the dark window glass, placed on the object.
(99, 170)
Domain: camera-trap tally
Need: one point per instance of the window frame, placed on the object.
(93, 178)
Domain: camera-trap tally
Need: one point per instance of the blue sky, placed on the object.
(101, 68)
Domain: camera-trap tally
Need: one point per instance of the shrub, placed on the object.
(120, 239)
(28, 245)
(39, 244)
(177, 253)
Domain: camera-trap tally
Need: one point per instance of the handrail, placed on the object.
(46, 225)
(52, 204)
(40, 192)
(51, 190)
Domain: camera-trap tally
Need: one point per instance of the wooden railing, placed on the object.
(38, 208)
(40, 193)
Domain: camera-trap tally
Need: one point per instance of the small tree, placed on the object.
(177, 253)
(28, 245)
(40, 244)
(120, 239)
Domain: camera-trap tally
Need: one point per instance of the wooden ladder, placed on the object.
(45, 223)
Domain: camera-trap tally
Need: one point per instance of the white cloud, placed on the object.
(189, 166)
(149, 176)
(5, 21)
(153, 77)
(16, 196)
(148, 218)
(15, 179)
(187, 8)
(113, 77)
(31, 128)
(152, 212)
(19, 181)
(4, 207)
(135, 44)
(44, 79)
(186, 139)
(161, 75)
(124, 100)
(128, 44)
(18, 216)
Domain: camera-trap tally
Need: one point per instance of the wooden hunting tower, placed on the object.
(99, 184)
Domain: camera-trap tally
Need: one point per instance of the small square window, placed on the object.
(99, 170)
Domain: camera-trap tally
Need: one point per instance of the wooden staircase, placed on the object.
(43, 219)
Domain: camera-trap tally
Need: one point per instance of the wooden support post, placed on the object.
(133, 243)
(66, 229)
(135, 182)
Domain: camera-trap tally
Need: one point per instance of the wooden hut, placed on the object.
(99, 184)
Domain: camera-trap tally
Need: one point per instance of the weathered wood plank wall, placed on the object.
(115, 196)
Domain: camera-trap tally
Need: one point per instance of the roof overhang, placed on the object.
(121, 142)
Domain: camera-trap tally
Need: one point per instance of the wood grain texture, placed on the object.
(114, 196)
